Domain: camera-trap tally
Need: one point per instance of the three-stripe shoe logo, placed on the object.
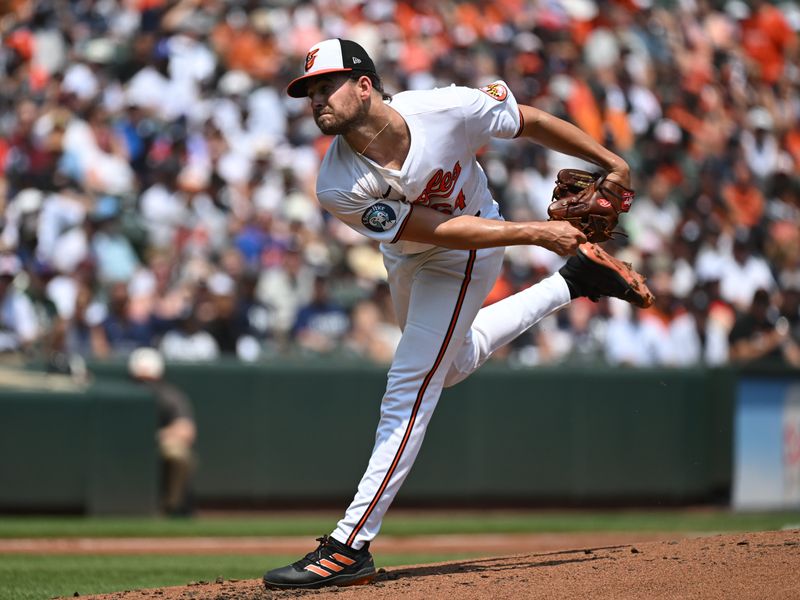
(325, 568)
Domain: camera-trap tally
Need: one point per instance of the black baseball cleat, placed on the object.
(594, 273)
(332, 563)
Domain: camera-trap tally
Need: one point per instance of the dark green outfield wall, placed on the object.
(90, 450)
(303, 432)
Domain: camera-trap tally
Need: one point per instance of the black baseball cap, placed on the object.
(331, 56)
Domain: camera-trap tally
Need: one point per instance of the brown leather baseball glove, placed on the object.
(589, 202)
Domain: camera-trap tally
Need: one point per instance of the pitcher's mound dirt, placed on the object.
(742, 566)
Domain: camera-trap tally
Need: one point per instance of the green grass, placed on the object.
(35, 577)
(401, 523)
(42, 577)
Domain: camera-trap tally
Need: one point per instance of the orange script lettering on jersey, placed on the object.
(441, 185)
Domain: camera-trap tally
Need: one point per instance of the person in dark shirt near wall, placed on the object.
(762, 335)
(176, 430)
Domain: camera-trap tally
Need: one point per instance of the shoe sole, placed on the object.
(637, 293)
(360, 578)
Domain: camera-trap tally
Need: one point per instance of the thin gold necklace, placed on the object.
(375, 136)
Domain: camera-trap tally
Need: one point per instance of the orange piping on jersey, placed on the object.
(453, 320)
(403, 225)
(521, 123)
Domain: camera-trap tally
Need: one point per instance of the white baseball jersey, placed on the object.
(448, 126)
(437, 292)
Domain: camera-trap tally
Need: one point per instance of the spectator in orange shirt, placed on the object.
(248, 47)
(744, 200)
(768, 39)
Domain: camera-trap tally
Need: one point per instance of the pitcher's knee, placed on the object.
(454, 376)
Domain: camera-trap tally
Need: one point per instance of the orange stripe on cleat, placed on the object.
(342, 559)
(318, 571)
(330, 565)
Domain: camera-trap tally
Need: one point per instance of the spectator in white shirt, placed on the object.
(19, 327)
(188, 342)
(744, 272)
(697, 336)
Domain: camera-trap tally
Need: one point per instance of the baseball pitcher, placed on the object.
(403, 171)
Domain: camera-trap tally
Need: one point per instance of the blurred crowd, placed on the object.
(157, 185)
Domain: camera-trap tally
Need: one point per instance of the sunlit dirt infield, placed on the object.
(598, 566)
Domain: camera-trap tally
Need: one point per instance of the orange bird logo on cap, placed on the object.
(310, 58)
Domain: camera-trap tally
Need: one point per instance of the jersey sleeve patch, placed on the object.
(379, 217)
(495, 90)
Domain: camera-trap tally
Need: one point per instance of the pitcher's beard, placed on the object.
(340, 126)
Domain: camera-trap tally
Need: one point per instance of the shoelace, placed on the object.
(315, 555)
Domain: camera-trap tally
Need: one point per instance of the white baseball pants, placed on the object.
(446, 336)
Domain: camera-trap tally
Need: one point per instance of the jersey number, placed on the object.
(461, 203)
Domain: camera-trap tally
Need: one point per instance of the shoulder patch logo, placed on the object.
(379, 217)
(496, 90)
(310, 58)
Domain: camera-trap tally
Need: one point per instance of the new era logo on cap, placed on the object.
(331, 56)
